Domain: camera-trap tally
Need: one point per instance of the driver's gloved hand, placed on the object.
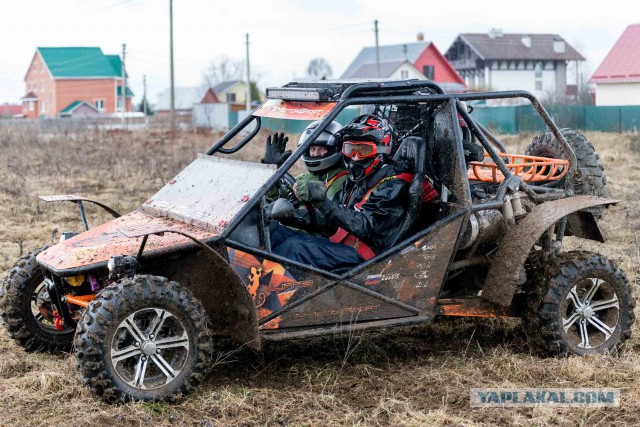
(282, 210)
(274, 153)
(315, 192)
(301, 186)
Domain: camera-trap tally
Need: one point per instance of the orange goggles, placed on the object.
(363, 149)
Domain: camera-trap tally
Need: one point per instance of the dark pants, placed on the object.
(313, 250)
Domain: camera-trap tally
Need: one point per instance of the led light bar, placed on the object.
(298, 94)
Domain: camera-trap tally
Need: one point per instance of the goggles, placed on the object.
(363, 149)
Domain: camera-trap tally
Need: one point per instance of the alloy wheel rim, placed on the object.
(591, 313)
(149, 348)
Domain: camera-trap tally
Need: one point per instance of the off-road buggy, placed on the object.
(143, 298)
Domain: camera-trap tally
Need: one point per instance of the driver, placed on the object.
(324, 163)
(323, 159)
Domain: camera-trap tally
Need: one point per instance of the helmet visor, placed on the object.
(363, 149)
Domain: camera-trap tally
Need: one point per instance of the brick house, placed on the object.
(617, 79)
(420, 59)
(61, 76)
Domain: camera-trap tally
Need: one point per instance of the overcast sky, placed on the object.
(284, 34)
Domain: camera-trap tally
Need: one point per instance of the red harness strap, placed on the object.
(343, 236)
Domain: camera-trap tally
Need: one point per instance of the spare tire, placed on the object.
(589, 178)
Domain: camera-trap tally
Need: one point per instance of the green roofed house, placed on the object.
(60, 78)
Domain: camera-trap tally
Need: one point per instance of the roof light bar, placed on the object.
(298, 94)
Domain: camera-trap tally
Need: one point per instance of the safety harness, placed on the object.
(336, 177)
(343, 236)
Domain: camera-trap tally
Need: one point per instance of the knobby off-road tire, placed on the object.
(20, 315)
(579, 303)
(589, 178)
(143, 338)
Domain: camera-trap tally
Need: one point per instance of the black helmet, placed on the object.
(367, 142)
(326, 139)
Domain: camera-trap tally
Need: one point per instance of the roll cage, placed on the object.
(447, 127)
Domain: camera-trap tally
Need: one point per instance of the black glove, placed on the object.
(282, 210)
(274, 153)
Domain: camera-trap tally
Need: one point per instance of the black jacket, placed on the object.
(378, 220)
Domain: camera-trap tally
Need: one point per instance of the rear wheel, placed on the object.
(143, 338)
(589, 178)
(26, 309)
(580, 304)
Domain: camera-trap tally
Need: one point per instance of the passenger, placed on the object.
(372, 205)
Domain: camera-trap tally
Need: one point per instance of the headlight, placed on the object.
(67, 235)
(122, 266)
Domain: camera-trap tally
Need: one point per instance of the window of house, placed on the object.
(119, 104)
(427, 70)
(404, 74)
(31, 105)
(538, 70)
(100, 104)
(43, 107)
(231, 97)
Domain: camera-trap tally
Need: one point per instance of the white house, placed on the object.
(496, 61)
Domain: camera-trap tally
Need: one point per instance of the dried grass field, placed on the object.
(409, 376)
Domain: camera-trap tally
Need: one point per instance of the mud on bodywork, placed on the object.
(222, 293)
(509, 260)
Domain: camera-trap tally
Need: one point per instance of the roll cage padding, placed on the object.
(507, 263)
(412, 152)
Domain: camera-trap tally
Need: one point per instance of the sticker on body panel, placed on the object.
(269, 283)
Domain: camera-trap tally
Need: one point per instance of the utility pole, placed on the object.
(248, 84)
(144, 101)
(375, 26)
(172, 89)
(124, 84)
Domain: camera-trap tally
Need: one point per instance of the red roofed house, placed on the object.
(418, 60)
(70, 80)
(617, 79)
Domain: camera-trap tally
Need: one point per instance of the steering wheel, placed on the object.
(286, 184)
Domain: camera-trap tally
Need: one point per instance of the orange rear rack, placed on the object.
(528, 168)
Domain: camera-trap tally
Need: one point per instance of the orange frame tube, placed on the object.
(81, 300)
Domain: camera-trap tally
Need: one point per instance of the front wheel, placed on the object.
(580, 304)
(143, 338)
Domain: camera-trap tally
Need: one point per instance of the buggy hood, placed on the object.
(199, 201)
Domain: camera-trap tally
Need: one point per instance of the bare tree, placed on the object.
(222, 69)
(319, 69)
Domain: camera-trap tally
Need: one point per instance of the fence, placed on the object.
(524, 118)
(503, 119)
(70, 124)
